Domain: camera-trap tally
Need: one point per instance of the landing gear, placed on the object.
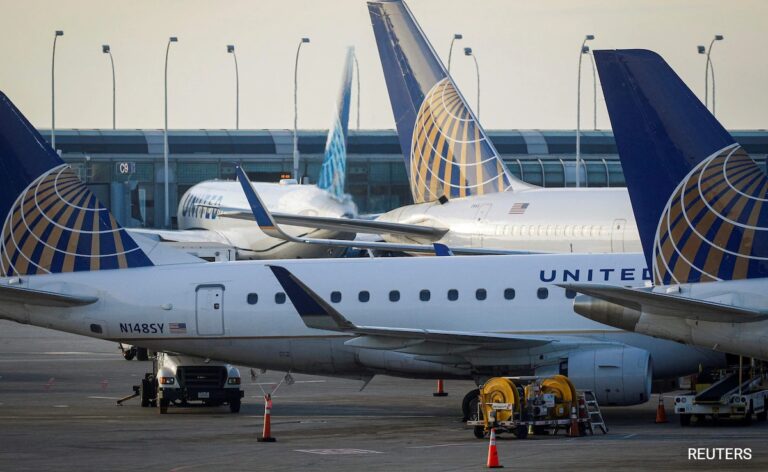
(129, 354)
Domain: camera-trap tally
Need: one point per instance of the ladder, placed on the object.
(593, 411)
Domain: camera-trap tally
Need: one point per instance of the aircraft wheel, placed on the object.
(129, 354)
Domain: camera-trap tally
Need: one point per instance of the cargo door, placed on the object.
(210, 310)
(617, 235)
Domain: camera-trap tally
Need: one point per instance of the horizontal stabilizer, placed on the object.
(28, 296)
(349, 225)
(663, 304)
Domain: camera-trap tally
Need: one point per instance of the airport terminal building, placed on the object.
(124, 168)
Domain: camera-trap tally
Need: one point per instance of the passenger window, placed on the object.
(509, 293)
(280, 298)
(253, 298)
(364, 296)
(394, 296)
(481, 294)
(570, 293)
(424, 295)
(542, 293)
(453, 294)
(335, 297)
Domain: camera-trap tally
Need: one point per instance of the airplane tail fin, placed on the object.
(447, 152)
(334, 168)
(698, 197)
(51, 222)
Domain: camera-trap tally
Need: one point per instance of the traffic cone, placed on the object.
(661, 414)
(574, 430)
(493, 455)
(266, 434)
(440, 392)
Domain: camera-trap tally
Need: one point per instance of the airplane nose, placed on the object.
(607, 313)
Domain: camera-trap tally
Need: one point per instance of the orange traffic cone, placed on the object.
(574, 430)
(661, 414)
(440, 392)
(493, 455)
(266, 434)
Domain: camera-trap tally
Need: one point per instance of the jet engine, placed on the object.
(617, 375)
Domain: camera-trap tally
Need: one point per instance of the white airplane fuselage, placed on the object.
(542, 219)
(200, 206)
(164, 308)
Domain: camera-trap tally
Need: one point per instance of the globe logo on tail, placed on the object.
(715, 225)
(58, 225)
(450, 153)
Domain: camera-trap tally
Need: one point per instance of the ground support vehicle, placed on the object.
(533, 405)
(189, 381)
(738, 394)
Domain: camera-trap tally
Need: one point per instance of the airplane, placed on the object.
(702, 222)
(464, 195)
(200, 207)
(67, 264)
(459, 182)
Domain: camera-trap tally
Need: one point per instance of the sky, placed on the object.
(527, 52)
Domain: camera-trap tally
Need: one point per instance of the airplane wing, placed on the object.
(669, 305)
(28, 296)
(268, 224)
(348, 225)
(317, 313)
(182, 236)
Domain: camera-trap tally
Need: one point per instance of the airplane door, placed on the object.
(210, 310)
(477, 233)
(617, 235)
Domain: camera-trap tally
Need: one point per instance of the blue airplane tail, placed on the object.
(51, 221)
(447, 153)
(334, 168)
(698, 197)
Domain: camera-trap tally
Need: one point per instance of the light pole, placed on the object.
(296, 111)
(172, 39)
(709, 69)
(584, 50)
(231, 50)
(357, 76)
(594, 92)
(106, 50)
(450, 50)
(53, 90)
(468, 52)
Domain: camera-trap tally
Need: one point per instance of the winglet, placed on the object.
(258, 208)
(442, 250)
(314, 311)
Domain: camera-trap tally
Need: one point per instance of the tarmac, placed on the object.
(58, 412)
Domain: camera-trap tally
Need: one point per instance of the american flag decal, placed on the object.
(518, 208)
(177, 328)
